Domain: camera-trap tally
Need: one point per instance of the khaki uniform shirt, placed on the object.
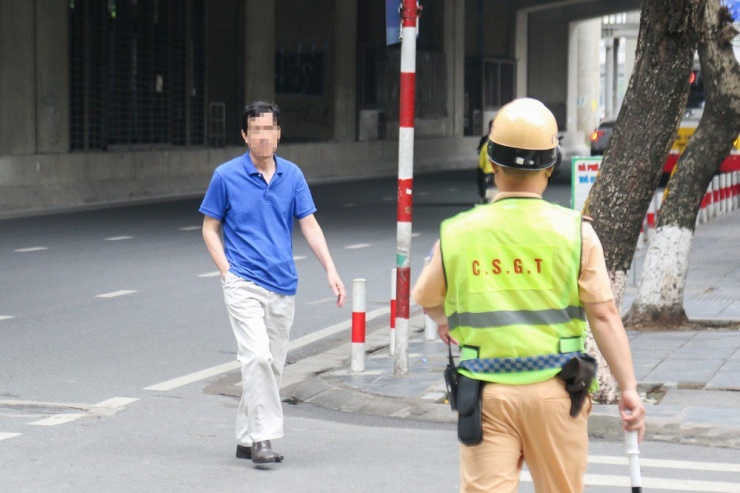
(593, 283)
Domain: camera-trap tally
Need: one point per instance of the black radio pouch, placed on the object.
(578, 374)
(451, 379)
(469, 425)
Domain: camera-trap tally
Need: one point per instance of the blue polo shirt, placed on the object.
(257, 219)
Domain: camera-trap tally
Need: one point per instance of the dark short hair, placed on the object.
(258, 108)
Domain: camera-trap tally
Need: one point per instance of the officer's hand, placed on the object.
(633, 412)
(444, 333)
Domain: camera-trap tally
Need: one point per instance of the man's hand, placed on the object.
(444, 333)
(337, 286)
(633, 413)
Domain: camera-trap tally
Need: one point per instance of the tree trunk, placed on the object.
(644, 130)
(661, 289)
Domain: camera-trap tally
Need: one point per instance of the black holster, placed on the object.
(469, 425)
(578, 374)
(451, 379)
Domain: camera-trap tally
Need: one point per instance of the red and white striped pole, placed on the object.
(359, 292)
(392, 351)
(409, 14)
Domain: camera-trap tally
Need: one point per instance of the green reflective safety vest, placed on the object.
(512, 302)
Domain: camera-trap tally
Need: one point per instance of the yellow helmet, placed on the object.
(524, 136)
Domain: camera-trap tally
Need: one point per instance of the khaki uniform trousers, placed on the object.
(261, 321)
(532, 424)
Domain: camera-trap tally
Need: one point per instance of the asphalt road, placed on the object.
(97, 306)
(108, 301)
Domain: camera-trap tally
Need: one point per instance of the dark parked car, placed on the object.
(600, 137)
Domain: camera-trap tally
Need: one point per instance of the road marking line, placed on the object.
(58, 419)
(31, 249)
(194, 377)
(102, 408)
(654, 483)
(210, 274)
(453, 189)
(190, 228)
(116, 402)
(666, 464)
(322, 301)
(114, 294)
(388, 199)
(357, 246)
(6, 317)
(415, 235)
(298, 257)
(233, 365)
(349, 205)
(119, 238)
(5, 436)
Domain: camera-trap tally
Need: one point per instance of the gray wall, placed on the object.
(37, 183)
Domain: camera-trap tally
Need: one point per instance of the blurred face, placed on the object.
(262, 136)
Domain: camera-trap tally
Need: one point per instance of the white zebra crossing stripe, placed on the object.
(5, 436)
(650, 483)
(666, 464)
(6, 317)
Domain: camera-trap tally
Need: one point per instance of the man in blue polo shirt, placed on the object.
(255, 198)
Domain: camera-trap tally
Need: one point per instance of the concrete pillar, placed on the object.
(572, 102)
(521, 52)
(18, 77)
(345, 70)
(52, 77)
(609, 78)
(589, 70)
(454, 47)
(630, 46)
(259, 50)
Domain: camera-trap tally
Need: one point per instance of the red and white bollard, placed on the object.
(735, 190)
(392, 350)
(359, 292)
(716, 205)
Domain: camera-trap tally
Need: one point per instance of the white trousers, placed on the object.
(261, 321)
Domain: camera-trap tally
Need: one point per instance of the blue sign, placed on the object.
(734, 6)
(392, 22)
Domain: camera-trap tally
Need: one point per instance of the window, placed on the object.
(136, 73)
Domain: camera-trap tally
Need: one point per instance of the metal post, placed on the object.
(359, 290)
(409, 14)
(392, 350)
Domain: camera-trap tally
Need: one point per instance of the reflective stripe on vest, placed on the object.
(512, 270)
(502, 318)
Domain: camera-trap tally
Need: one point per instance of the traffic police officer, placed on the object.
(513, 283)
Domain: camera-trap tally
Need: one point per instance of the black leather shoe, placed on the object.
(243, 452)
(262, 453)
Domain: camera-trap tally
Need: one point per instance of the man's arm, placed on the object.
(608, 331)
(429, 293)
(211, 236)
(316, 240)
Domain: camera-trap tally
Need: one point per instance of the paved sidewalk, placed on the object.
(691, 378)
